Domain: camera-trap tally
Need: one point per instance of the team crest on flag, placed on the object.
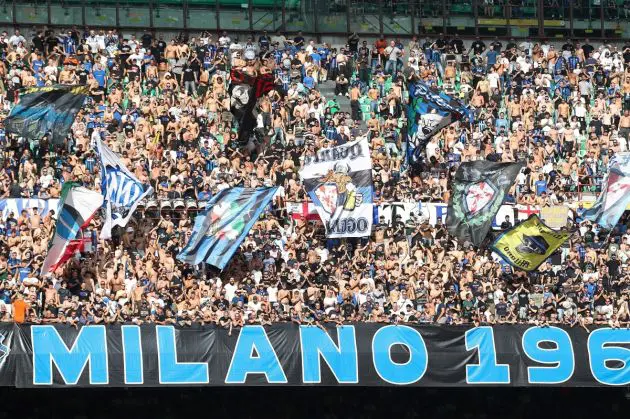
(327, 195)
(479, 189)
(478, 196)
(615, 195)
(339, 182)
(529, 244)
(536, 245)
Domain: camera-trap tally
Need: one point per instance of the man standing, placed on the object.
(393, 53)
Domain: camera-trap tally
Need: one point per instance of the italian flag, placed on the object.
(77, 206)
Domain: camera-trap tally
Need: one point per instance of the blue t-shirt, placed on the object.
(99, 75)
(492, 57)
(541, 186)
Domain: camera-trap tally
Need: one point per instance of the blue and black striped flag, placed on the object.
(46, 110)
(229, 216)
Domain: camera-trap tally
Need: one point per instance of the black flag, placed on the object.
(479, 189)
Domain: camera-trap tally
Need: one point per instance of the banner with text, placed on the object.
(366, 354)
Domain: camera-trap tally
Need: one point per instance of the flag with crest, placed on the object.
(339, 182)
(479, 189)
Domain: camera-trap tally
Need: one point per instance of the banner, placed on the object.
(121, 189)
(528, 244)
(46, 110)
(227, 219)
(339, 181)
(479, 189)
(612, 201)
(429, 111)
(555, 217)
(77, 206)
(366, 354)
(16, 205)
(387, 212)
(303, 211)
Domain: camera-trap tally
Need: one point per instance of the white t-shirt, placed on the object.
(393, 52)
(230, 290)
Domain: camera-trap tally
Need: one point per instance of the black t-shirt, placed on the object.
(587, 49)
(497, 45)
(613, 267)
(523, 298)
(84, 295)
(299, 41)
(146, 40)
(125, 52)
(38, 43)
(548, 308)
(188, 74)
(478, 46)
(501, 308)
(347, 309)
(83, 75)
(458, 46)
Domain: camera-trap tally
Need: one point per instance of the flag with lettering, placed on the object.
(615, 195)
(46, 110)
(121, 189)
(479, 188)
(339, 181)
(77, 206)
(227, 219)
(529, 244)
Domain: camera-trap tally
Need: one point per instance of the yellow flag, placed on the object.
(528, 244)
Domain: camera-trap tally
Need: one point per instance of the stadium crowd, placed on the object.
(164, 107)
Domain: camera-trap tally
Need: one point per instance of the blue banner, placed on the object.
(226, 221)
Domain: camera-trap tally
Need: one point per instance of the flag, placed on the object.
(227, 219)
(46, 110)
(244, 93)
(529, 244)
(615, 195)
(478, 191)
(429, 111)
(122, 191)
(339, 181)
(77, 206)
(302, 211)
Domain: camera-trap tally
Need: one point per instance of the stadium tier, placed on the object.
(234, 200)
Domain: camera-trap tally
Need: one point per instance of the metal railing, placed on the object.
(403, 18)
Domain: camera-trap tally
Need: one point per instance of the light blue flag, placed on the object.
(219, 231)
(615, 195)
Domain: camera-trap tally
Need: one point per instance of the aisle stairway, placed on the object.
(327, 89)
